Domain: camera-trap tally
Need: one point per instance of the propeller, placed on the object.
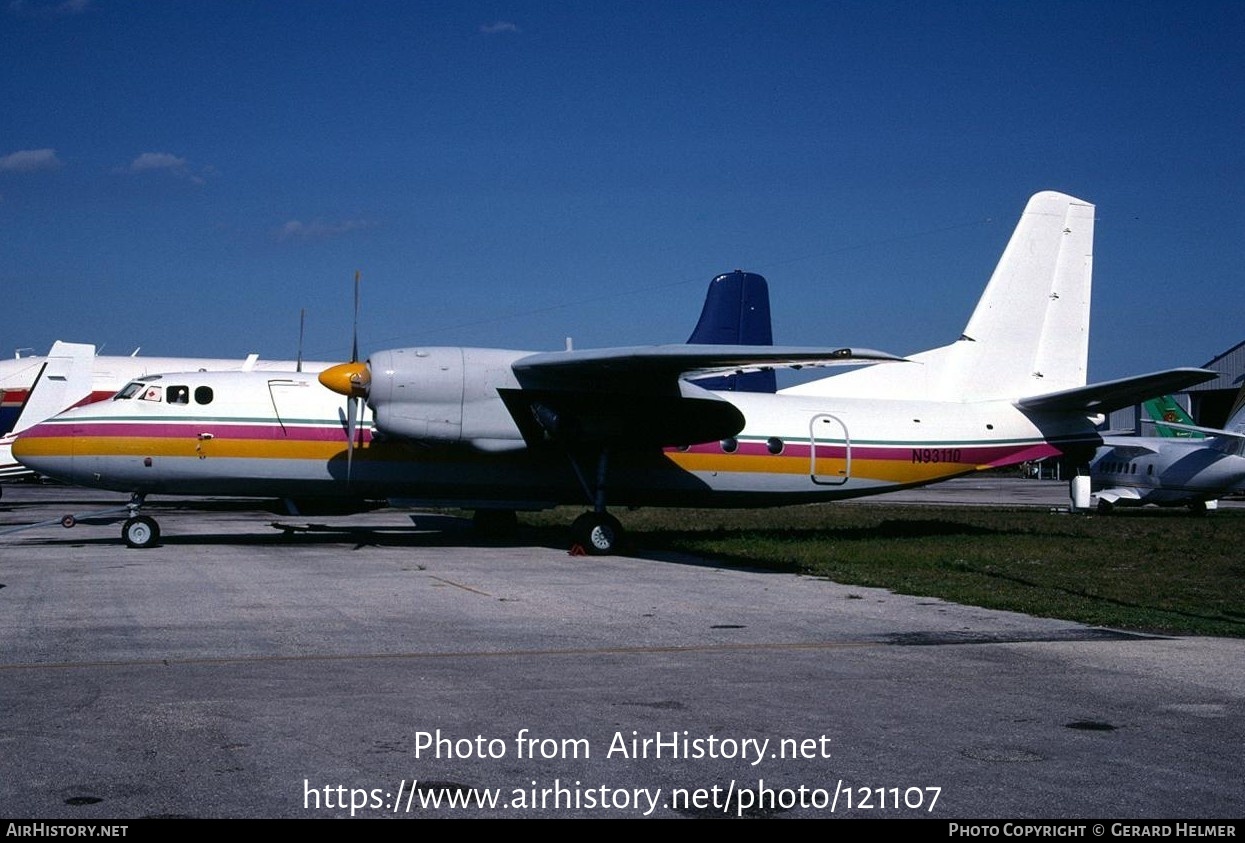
(352, 380)
(302, 323)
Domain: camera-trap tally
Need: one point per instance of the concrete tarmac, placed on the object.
(234, 672)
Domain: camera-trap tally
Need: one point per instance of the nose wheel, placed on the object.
(139, 530)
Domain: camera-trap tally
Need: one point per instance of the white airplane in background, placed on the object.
(494, 429)
(1166, 471)
(34, 388)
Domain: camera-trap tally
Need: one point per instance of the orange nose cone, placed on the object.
(347, 379)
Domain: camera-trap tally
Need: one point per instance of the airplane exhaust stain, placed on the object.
(1090, 726)
(83, 800)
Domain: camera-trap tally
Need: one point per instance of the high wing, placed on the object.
(658, 368)
(640, 396)
(1112, 395)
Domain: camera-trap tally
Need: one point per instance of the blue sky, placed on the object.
(186, 176)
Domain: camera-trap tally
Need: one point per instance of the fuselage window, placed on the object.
(774, 445)
(1150, 470)
(203, 395)
(730, 446)
(179, 395)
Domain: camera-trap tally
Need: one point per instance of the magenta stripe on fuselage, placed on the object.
(191, 430)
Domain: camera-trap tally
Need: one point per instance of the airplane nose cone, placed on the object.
(38, 447)
(349, 379)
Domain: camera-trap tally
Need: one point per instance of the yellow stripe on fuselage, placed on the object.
(122, 446)
(891, 471)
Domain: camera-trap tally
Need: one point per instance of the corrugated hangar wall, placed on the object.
(1208, 403)
(1212, 401)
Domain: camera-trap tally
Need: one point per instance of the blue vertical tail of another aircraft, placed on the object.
(736, 312)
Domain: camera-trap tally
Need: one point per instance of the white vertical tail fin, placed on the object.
(64, 380)
(1029, 334)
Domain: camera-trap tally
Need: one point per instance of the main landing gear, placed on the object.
(597, 533)
(139, 530)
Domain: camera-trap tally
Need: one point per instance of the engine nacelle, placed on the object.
(445, 394)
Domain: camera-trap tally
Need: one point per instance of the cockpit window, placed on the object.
(152, 393)
(129, 390)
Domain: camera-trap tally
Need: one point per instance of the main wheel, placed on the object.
(141, 531)
(599, 533)
(1105, 507)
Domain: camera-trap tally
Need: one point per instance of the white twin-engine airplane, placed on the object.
(1167, 471)
(493, 429)
(35, 388)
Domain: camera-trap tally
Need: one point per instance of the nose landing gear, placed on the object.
(139, 530)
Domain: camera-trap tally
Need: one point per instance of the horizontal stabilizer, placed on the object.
(1112, 395)
(1193, 428)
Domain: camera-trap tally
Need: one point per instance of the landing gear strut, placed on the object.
(597, 532)
(139, 530)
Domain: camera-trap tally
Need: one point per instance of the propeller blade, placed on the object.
(302, 322)
(352, 380)
(354, 339)
(352, 405)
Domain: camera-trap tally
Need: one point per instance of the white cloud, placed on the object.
(30, 160)
(157, 161)
(498, 26)
(317, 229)
(150, 162)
